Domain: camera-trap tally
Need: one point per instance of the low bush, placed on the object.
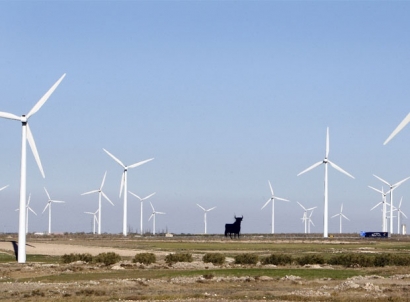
(279, 259)
(310, 259)
(69, 258)
(178, 257)
(352, 260)
(246, 259)
(214, 258)
(145, 258)
(107, 258)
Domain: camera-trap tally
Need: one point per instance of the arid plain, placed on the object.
(46, 278)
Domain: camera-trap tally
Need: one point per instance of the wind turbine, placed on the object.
(95, 219)
(384, 210)
(100, 192)
(310, 221)
(124, 184)
(154, 213)
(392, 188)
(341, 215)
(27, 209)
(49, 209)
(272, 198)
(305, 217)
(205, 211)
(141, 200)
(326, 161)
(27, 136)
(399, 213)
(398, 128)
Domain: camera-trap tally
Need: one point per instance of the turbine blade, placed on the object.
(58, 201)
(327, 142)
(270, 186)
(152, 207)
(151, 216)
(34, 149)
(301, 205)
(403, 214)
(32, 211)
(146, 197)
(201, 207)
(335, 215)
(46, 207)
(160, 213)
(89, 213)
(341, 208)
(266, 203)
(399, 183)
(140, 163)
(48, 195)
(376, 189)
(344, 216)
(4, 188)
(106, 197)
(401, 199)
(135, 195)
(45, 97)
(311, 208)
(381, 179)
(211, 209)
(339, 169)
(10, 116)
(279, 198)
(376, 206)
(93, 191)
(311, 167)
(102, 184)
(114, 158)
(398, 128)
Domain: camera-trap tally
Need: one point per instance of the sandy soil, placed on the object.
(56, 249)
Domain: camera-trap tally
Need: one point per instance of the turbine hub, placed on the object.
(23, 119)
(325, 161)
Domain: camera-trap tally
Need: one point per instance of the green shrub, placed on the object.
(351, 260)
(107, 258)
(279, 259)
(400, 260)
(69, 258)
(214, 258)
(145, 258)
(178, 257)
(382, 260)
(246, 259)
(310, 259)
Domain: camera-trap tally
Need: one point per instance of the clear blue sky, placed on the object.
(224, 95)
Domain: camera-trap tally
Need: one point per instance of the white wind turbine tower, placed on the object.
(49, 209)
(205, 211)
(141, 200)
(95, 219)
(27, 136)
(154, 213)
(398, 128)
(341, 215)
(384, 210)
(399, 213)
(100, 192)
(392, 188)
(305, 217)
(326, 161)
(272, 199)
(124, 184)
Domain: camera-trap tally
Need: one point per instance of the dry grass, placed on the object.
(45, 278)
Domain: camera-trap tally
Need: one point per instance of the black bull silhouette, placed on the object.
(233, 228)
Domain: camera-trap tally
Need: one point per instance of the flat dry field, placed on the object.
(45, 278)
